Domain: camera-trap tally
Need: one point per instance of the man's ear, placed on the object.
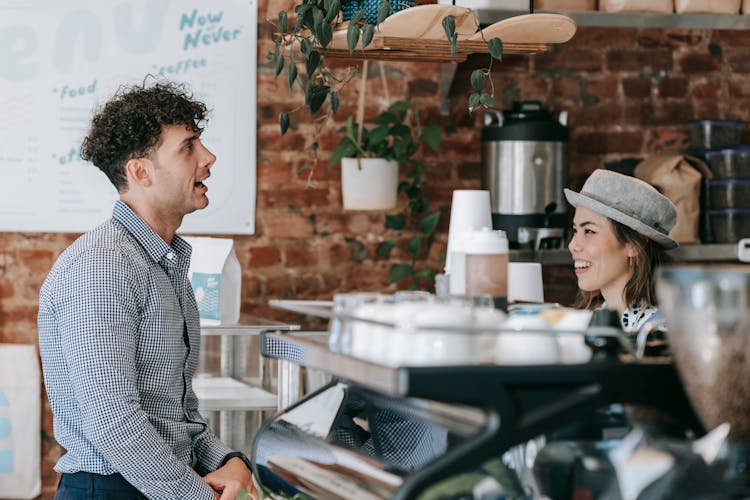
(138, 171)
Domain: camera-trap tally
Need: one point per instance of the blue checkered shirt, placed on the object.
(119, 336)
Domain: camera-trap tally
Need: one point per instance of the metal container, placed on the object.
(525, 168)
(708, 315)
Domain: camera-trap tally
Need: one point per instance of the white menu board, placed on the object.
(60, 60)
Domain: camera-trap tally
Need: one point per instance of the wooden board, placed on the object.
(530, 28)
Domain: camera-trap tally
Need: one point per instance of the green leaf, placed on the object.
(377, 135)
(334, 102)
(431, 135)
(426, 274)
(318, 17)
(477, 79)
(399, 272)
(306, 46)
(333, 11)
(358, 16)
(396, 222)
(429, 223)
(325, 34)
(399, 107)
(284, 122)
(449, 26)
(312, 61)
(401, 130)
(292, 74)
(384, 249)
(352, 36)
(486, 100)
(282, 26)
(454, 44)
(279, 66)
(383, 10)
(344, 149)
(318, 97)
(304, 16)
(385, 118)
(496, 48)
(415, 244)
(474, 100)
(368, 32)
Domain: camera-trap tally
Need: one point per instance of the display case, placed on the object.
(237, 387)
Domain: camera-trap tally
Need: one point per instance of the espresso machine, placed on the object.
(525, 168)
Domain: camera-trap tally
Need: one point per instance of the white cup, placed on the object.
(525, 282)
(470, 208)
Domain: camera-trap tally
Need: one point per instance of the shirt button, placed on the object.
(170, 256)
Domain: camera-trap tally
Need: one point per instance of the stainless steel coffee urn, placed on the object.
(525, 168)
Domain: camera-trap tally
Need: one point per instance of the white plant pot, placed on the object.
(374, 186)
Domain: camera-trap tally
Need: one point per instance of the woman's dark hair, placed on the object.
(640, 286)
(130, 126)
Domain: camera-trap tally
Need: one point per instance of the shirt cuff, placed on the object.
(237, 454)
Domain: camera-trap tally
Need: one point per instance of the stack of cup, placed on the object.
(470, 210)
(487, 265)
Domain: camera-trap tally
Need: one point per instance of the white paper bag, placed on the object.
(216, 279)
(20, 422)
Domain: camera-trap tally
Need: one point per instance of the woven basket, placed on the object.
(351, 7)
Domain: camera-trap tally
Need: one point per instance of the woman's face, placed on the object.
(600, 261)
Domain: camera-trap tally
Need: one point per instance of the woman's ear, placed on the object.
(138, 172)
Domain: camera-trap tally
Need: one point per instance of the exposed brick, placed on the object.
(604, 113)
(739, 87)
(695, 63)
(603, 142)
(264, 256)
(272, 174)
(567, 61)
(673, 87)
(636, 60)
(566, 87)
(364, 223)
(706, 89)
(739, 61)
(300, 255)
(423, 87)
(731, 38)
(602, 88)
(294, 197)
(285, 225)
(636, 87)
(6, 289)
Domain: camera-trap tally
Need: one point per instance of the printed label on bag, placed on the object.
(207, 288)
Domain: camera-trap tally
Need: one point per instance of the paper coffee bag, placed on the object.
(216, 279)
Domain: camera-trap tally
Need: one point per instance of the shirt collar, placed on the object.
(154, 245)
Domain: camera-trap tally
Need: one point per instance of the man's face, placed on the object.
(181, 163)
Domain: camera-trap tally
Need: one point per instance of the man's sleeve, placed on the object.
(98, 311)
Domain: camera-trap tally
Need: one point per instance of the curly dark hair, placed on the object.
(130, 125)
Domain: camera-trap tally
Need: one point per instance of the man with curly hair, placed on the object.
(118, 323)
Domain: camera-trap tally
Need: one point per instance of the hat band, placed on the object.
(652, 223)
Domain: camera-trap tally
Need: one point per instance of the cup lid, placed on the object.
(486, 241)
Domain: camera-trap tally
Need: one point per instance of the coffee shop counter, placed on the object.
(490, 408)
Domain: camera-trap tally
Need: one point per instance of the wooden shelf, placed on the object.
(633, 19)
(414, 49)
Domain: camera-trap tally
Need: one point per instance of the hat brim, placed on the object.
(581, 200)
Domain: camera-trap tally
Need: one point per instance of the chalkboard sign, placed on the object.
(60, 60)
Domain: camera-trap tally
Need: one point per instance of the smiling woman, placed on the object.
(620, 234)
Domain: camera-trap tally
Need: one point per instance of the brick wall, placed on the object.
(628, 92)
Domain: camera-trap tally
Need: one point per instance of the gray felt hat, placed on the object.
(630, 201)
